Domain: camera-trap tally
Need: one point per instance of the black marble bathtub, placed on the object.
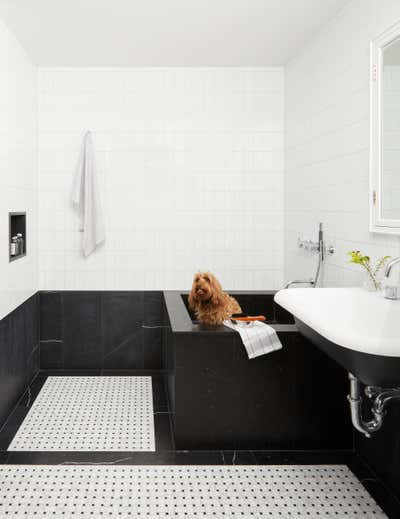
(294, 398)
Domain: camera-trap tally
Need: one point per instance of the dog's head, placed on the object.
(206, 287)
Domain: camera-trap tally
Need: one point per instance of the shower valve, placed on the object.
(313, 246)
(308, 245)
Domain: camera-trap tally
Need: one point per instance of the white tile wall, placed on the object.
(191, 171)
(191, 165)
(18, 168)
(327, 143)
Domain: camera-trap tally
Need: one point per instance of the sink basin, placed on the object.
(358, 329)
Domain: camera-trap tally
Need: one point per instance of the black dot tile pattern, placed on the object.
(90, 414)
(181, 492)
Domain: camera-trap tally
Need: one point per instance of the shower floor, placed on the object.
(89, 414)
(168, 482)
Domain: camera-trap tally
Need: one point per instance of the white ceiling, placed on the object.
(87, 33)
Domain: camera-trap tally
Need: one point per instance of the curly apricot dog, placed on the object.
(209, 302)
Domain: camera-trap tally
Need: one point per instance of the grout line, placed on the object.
(153, 327)
(29, 397)
(234, 458)
(113, 462)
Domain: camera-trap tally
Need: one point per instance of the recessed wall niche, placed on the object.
(17, 236)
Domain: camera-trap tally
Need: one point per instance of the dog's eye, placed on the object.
(207, 279)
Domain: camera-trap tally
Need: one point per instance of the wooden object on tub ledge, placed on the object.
(247, 318)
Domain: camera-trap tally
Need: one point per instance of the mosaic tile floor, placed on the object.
(184, 492)
(90, 414)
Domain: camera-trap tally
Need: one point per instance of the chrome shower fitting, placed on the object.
(308, 245)
(313, 247)
(379, 397)
(316, 246)
(300, 282)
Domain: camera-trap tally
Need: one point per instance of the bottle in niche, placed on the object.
(20, 243)
(13, 246)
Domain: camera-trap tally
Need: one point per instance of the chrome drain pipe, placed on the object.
(379, 397)
(355, 401)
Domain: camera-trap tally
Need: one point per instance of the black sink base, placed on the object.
(371, 370)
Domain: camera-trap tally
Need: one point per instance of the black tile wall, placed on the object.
(153, 308)
(50, 316)
(122, 322)
(51, 355)
(153, 349)
(102, 330)
(19, 353)
(81, 321)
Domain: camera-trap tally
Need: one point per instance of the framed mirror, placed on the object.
(385, 132)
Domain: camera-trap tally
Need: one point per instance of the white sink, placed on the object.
(359, 329)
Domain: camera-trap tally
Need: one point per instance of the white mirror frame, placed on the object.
(377, 223)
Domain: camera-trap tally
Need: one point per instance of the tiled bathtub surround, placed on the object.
(191, 175)
(221, 400)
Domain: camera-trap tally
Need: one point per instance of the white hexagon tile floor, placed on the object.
(180, 492)
(90, 414)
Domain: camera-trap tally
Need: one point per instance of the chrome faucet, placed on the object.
(390, 265)
(391, 292)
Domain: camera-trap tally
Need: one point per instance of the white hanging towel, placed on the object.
(258, 338)
(85, 196)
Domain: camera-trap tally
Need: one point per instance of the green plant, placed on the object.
(365, 261)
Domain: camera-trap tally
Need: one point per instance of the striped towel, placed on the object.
(258, 338)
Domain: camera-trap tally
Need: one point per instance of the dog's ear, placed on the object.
(192, 300)
(216, 289)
